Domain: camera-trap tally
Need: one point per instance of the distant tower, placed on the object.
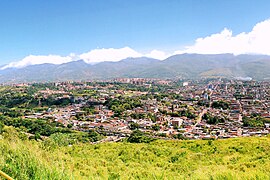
(185, 83)
(205, 96)
(39, 102)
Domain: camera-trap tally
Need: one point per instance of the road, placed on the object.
(199, 119)
(200, 116)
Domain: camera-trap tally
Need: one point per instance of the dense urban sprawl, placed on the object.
(166, 109)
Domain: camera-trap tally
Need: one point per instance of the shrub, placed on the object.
(138, 136)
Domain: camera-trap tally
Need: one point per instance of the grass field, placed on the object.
(241, 158)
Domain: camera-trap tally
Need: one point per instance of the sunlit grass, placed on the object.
(242, 158)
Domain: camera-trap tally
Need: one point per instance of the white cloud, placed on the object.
(111, 54)
(33, 59)
(255, 42)
(93, 56)
(157, 54)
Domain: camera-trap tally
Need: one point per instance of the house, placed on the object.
(176, 122)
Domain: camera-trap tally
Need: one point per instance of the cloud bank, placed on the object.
(33, 59)
(255, 42)
(93, 56)
(111, 54)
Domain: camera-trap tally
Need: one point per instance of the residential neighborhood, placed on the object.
(205, 109)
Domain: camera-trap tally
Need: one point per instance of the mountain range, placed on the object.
(185, 66)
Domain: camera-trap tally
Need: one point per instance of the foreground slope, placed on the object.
(242, 158)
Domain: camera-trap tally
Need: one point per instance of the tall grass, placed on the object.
(242, 158)
(23, 159)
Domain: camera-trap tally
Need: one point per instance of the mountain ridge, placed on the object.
(190, 66)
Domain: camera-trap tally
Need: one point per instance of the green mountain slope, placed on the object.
(192, 66)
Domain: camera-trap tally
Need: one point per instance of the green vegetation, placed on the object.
(34, 126)
(241, 158)
(138, 136)
(121, 104)
(156, 127)
(255, 120)
(180, 136)
(133, 126)
(49, 131)
(213, 119)
(220, 105)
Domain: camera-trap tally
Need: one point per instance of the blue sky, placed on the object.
(61, 27)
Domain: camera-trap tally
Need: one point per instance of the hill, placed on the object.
(241, 158)
(190, 66)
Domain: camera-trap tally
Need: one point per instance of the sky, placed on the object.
(59, 31)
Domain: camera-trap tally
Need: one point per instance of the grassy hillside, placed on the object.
(243, 158)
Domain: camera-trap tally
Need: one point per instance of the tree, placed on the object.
(94, 136)
(138, 136)
(213, 119)
(156, 127)
(220, 104)
(133, 126)
(253, 121)
(180, 136)
(1, 127)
